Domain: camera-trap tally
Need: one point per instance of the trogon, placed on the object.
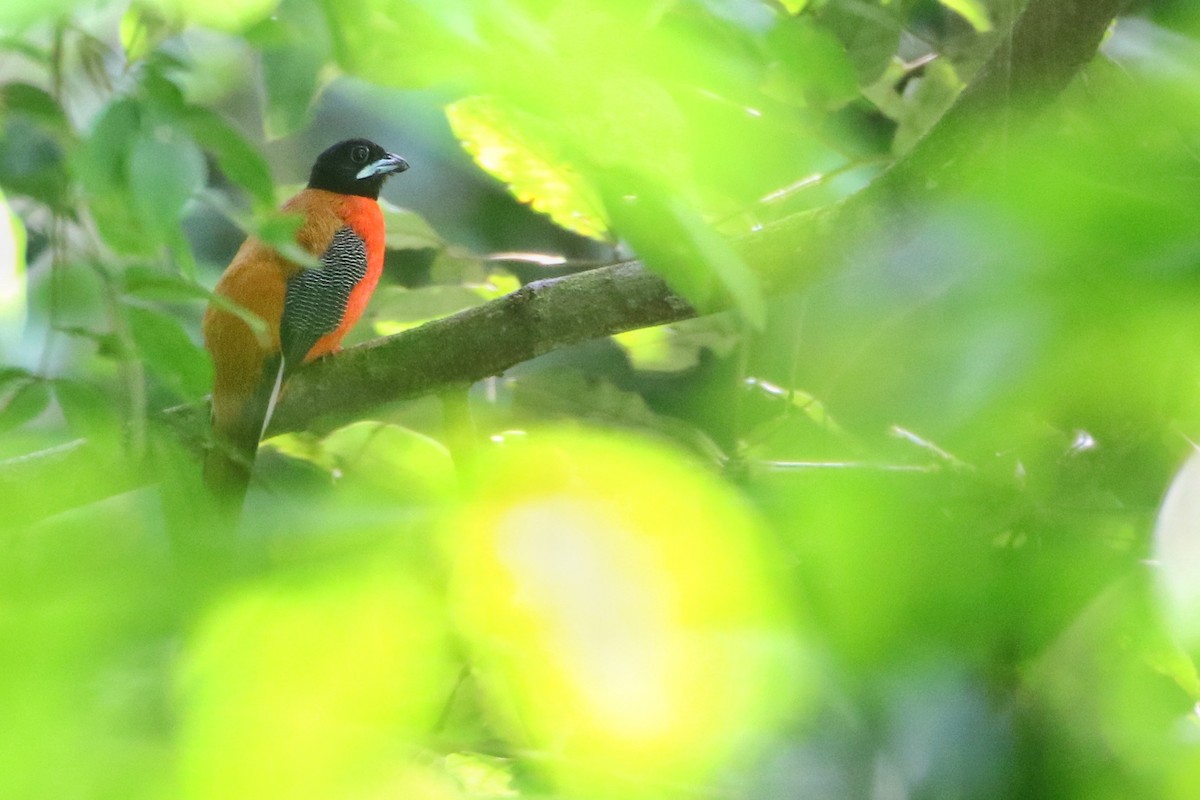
(307, 309)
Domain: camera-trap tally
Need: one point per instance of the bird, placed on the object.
(308, 310)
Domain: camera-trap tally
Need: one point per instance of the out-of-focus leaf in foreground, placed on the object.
(619, 605)
(228, 15)
(310, 687)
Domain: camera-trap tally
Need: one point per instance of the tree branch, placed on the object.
(480, 342)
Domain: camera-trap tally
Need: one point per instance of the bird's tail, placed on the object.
(230, 460)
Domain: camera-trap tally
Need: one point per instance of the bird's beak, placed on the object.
(389, 164)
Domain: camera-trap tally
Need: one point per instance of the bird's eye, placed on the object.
(360, 154)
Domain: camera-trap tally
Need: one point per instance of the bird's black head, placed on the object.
(355, 166)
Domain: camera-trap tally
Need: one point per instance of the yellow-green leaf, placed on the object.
(507, 144)
(973, 11)
(307, 688)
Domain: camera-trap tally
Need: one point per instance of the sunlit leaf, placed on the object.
(507, 144)
(670, 348)
(143, 28)
(973, 11)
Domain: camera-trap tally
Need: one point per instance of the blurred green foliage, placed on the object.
(889, 532)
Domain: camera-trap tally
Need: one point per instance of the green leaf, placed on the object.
(11, 375)
(153, 284)
(235, 156)
(296, 46)
(89, 411)
(407, 44)
(33, 162)
(870, 33)
(36, 103)
(181, 366)
(278, 229)
(675, 241)
(507, 144)
(973, 11)
(101, 166)
(21, 45)
(165, 171)
(452, 266)
(27, 402)
(408, 230)
(811, 66)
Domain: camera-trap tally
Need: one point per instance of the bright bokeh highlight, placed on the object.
(622, 608)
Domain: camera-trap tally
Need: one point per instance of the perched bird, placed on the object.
(307, 310)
